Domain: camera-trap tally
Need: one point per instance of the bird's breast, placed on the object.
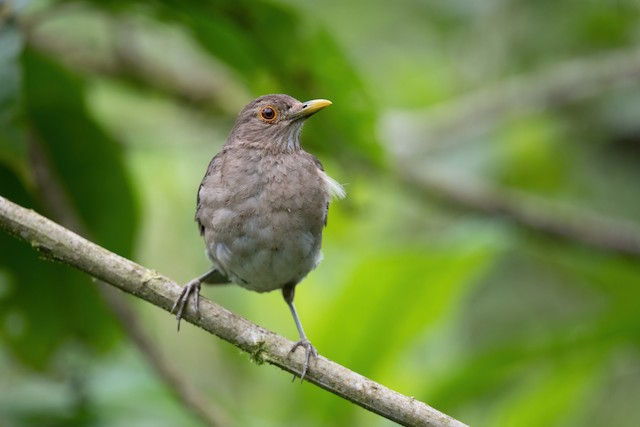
(263, 219)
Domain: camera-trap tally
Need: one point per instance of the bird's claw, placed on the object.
(182, 300)
(310, 351)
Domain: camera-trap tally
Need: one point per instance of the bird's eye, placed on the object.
(268, 114)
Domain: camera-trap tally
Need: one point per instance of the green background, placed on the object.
(111, 110)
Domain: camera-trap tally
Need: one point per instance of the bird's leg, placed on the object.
(192, 287)
(310, 351)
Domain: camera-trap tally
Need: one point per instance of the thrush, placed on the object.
(262, 206)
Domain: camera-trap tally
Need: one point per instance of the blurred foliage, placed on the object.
(40, 312)
(111, 110)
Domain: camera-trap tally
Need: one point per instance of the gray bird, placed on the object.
(262, 206)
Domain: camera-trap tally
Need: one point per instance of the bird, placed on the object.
(262, 207)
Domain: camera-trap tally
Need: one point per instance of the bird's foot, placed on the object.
(193, 287)
(310, 351)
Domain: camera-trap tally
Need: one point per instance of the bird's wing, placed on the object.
(334, 189)
(214, 166)
(318, 164)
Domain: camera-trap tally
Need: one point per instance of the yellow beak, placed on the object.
(310, 107)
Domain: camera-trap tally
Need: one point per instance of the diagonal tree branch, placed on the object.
(58, 243)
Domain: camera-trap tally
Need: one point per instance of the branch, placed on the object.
(58, 243)
(532, 212)
(442, 125)
(203, 84)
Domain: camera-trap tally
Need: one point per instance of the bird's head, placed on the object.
(274, 122)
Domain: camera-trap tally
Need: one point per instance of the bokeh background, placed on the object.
(485, 261)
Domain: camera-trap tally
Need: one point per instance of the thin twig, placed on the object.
(58, 243)
(207, 410)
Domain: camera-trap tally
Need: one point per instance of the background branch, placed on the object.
(416, 133)
(207, 410)
(444, 124)
(202, 84)
(57, 243)
(534, 213)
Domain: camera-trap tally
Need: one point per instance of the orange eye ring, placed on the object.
(268, 114)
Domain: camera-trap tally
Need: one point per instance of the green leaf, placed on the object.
(87, 160)
(44, 304)
(388, 305)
